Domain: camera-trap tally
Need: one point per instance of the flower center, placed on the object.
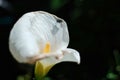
(47, 48)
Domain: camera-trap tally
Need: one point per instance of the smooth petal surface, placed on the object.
(33, 30)
(70, 55)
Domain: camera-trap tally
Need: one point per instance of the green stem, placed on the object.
(41, 70)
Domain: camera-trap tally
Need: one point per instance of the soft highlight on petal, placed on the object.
(31, 33)
(71, 55)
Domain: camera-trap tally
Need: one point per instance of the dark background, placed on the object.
(94, 31)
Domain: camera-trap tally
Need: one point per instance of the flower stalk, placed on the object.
(40, 71)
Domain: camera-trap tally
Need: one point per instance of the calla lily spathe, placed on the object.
(43, 38)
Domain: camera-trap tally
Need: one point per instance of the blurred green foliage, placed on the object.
(57, 4)
(111, 76)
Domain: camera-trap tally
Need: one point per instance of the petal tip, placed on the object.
(71, 55)
(78, 58)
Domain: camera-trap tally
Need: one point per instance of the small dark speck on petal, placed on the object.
(59, 20)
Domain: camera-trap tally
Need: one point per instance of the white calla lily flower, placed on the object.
(43, 38)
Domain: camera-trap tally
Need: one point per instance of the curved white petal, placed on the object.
(70, 55)
(49, 28)
(33, 30)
